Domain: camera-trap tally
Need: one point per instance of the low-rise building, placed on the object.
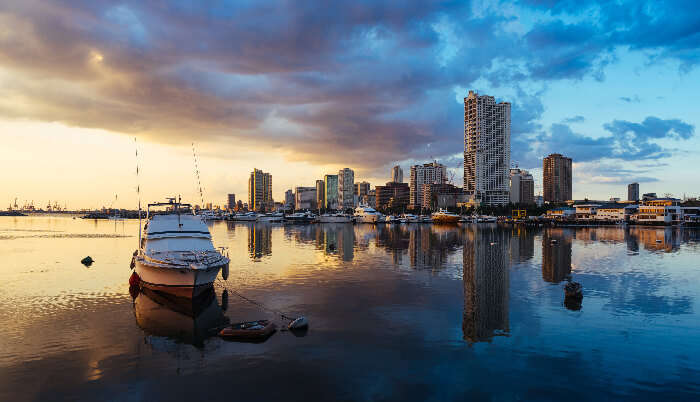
(586, 212)
(615, 212)
(562, 213)
(659, 211)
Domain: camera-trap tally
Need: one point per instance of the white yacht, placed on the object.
(335, 218)
(409, 218)
(367, 214)
(248, 216)
(271, 217)
(176, 253)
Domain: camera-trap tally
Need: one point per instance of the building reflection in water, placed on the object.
(184, 319)
(259, 240)
(338, 239)
(666, 239)
(429, 246)
(522, 244)
(556, 254)
(486, 284)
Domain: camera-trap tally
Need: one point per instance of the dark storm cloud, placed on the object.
(358, 82)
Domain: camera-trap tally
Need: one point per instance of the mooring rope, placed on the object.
(256, 303)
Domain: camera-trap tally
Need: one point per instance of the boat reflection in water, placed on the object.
(486, 284)
(188, 320)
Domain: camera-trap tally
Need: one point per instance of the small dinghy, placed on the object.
(249, 331)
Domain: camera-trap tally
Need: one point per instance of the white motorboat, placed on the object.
(248, 217)
(335, 218)
(176, 253)
(444, 216)
(409, 218)
(367, 214)
(272, 217)
(391, 219)
(300, 218)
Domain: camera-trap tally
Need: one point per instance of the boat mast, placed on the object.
(196, 170)
(138, 190)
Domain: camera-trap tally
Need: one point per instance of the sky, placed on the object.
(300, 89)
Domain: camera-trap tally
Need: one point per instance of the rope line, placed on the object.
(258, 304)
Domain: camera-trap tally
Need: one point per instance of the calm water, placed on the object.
(397, 313)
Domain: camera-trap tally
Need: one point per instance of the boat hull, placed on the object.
(183, 282)
(335, 219)
(367, 219)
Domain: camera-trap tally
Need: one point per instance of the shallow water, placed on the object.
(401, 312)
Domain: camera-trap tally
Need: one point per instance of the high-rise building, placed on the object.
(432, 191)
(428, 173)
(633, 192)
(260, 191)
(331, 186)
(231, 203)
(361, 189)
(397, 174)
(486, 148)
(522, 187)
(393, 195)
(557, 178)
(320, 194)
(289, 199)
(305, 198)
(346, 188)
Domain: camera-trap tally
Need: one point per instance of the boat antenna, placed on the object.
(196, 171)
(138, 189)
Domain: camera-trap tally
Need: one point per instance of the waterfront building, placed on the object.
(428, 173)
(433, 191)
(289, 199)
(231, 202)
(397, 174)
(346, 189)
(586, 212)
(563, 213)
(522, 187)
(320, 194)
(615, 212)
(557, 178)
(660, 211)
(633, 192)
(539, 200)
(330, 183)
(305, 198)
(371, 198)
(486, 148)
(260, 191)
(392, 195)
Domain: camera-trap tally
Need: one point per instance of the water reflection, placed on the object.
(522, 243)
(184, 319)
(486, 284)
(556, 254)
(259, 240)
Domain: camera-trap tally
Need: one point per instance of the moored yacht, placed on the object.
(271, 217)
(409, 218)
(334, 218)
(391, 219)
(300, 218)
(176, 253)
(248, 216)
(443, 216)
(367, 214)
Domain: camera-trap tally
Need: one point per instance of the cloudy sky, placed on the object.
(300, 89)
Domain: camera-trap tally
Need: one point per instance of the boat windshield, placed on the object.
(179, 244)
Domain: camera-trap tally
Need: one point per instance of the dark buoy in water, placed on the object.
(87, 261)
(573, 290)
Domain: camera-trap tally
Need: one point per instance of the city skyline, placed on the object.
(80, 84)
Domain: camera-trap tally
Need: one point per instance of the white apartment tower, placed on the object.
(346, 188)
(487, 149)
(428, 173)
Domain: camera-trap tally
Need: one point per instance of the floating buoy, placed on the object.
(134, 279)
(87, 261)
(299, 323)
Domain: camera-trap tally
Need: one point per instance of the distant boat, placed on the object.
(300, 218)
(367, 214)
(409, 218)
(272, 217)
(248, 216)
(391, 219)
(443, 216)
(176, 253)
(335, 218)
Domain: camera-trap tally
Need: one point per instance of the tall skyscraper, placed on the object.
(260, 191)
(320, 194)
(289, 199)
(305, 198)
(633, 192)
(486, 148)
(557, 179)
(331, 186)
(397, 174)
(361, 189)
(522, 187)
(428, 173)
(346, 188)
(231, 204)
